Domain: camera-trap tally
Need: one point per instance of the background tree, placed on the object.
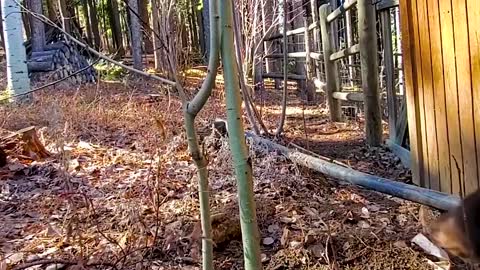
(116, 28)
(86, 20)
(155, 34)
(64, 15)
(94, 23)
(136, 34)
(145, 18)
(38, 29)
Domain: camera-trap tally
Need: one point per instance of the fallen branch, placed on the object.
(59, 261)
(413, 193)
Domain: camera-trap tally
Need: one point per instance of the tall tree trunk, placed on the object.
(267, 18)
(184, 35)
(257, 54)
(26, 22)
(142, 6)
(193, 25)
(206, 27)
(114, 18)
(52, 14)
(136, 35)
(94, 23)
(201, 30)
(298, 41)
(104, 28)
(125, 19)
(87, 21)
(1, 28)
(17, 74)
(38, 29)
(156, 34)
(65, 15)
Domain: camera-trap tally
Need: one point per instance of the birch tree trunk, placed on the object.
(17, 74)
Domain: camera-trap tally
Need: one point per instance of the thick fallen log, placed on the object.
(42, 66)
(412, 193)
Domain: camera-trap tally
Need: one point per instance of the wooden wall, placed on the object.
(441, 51)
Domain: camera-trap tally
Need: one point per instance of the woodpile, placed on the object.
(62, 60)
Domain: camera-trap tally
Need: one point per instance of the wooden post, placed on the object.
(389, 70)
(309, 85)
(267, 18)
(296, 18)
(331, 71)
(349, 34)
(399, 61)
(316, 33)
(257, 55)
(368, 60)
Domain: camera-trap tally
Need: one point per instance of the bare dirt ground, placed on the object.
(120, 191)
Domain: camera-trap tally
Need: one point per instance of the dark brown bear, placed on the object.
(458, 231)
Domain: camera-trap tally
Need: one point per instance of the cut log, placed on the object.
(24, 143)
(35, 66)
(41, 58)
(42, 53)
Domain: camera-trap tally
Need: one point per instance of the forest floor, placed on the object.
(120, 190)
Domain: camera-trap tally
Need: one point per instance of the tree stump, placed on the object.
(23, 143)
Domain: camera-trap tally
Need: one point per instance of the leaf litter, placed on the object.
(120, 192)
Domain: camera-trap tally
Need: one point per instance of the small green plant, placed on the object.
(110, 72)
(5, 96)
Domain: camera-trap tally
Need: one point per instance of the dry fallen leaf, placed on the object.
(267, 241)
(295, 244)
(365, 213)
(363, 224)
(85, 145)
(440, 265)
(263, 257)
(400, 244)
(273, 228)
(14, 258)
